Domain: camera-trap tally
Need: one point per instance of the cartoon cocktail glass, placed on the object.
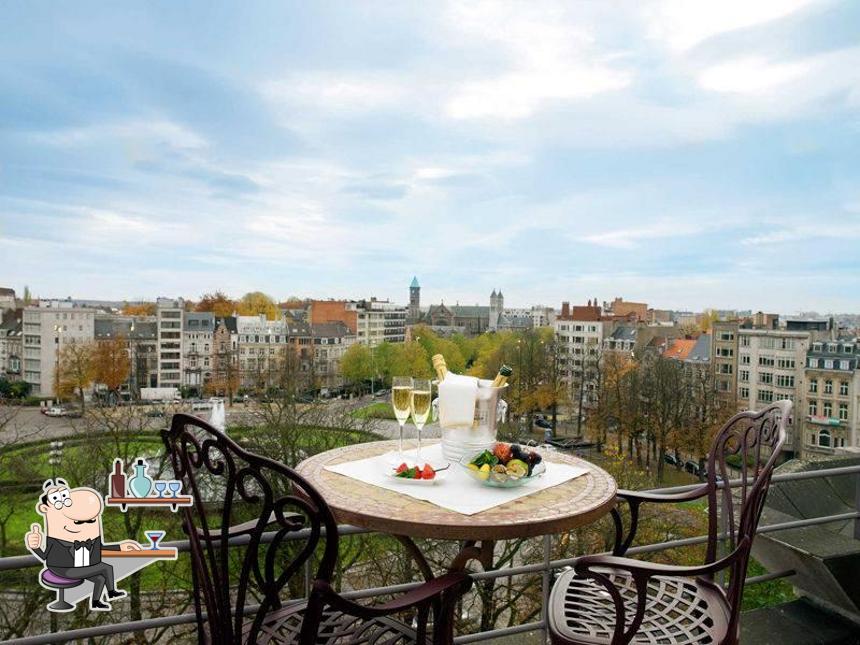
(175, 487)
(160, 487)
(154, 538)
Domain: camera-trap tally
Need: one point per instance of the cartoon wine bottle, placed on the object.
(117, 480)
(141, 483)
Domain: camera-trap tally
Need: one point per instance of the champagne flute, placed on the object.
(401, 401)
(422, 393)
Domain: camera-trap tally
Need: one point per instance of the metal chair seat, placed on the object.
(284, 626)
(678, 611)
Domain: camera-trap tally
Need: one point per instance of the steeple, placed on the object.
(493, 295)
(414, 284)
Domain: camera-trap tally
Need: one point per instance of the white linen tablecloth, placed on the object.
(458, 491)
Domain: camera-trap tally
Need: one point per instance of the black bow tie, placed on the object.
(87, 544)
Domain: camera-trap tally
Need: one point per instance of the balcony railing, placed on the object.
(545, 568)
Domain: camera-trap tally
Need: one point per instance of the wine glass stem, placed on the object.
(418, 450)
(400, 444)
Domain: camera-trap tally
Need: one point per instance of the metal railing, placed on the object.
(545, 568)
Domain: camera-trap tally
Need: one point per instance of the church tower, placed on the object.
(497, 306)
(414, 301)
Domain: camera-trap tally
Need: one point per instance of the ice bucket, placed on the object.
(466, 440)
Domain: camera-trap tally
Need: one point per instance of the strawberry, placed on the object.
(428, 472)
(402, 468)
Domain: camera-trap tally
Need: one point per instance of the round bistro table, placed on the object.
(570, 505)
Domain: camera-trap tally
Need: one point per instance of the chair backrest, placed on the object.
(230, 483)
(749, 442)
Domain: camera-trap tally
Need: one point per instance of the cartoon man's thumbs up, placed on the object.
(34, 537)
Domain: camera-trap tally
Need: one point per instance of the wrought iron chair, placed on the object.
(227, 482)
(615, 600)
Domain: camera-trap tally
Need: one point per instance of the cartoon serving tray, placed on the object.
(138, 490)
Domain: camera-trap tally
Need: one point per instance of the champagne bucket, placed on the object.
(469, 439)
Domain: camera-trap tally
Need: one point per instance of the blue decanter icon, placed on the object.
(141, 483)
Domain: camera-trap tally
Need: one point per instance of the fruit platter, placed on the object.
(505, 466)
(417, 474)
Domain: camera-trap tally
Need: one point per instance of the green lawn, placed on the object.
(376, 410)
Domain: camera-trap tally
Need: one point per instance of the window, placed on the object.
(744, 375)
(726, 368)
(765, 396)
(824, 438)
(785, 363)
(784, 380)
(813, 385)
(766, 361)
(745, 341)
(725, 352)
(765, 377)
(787, 343)
(813, 408)
(843, 365)
(745, 393)
(843, 412)
(828, 364)
(745, 359)
(828, 409)
(828, 386)
(843, 388)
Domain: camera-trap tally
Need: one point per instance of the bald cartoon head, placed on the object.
(70, 513)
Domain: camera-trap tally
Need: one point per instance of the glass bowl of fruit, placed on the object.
(505, 466)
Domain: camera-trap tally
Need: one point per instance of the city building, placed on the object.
(262, 345)
(579, 333)
(140, 335)
(7, 299)
(48, 327)
(770, 368)
(11, 343)
(724, 360)
(831, 410)
(197, 343)
(330, 342)
(372, 321)
(169, 315)
(619, 308)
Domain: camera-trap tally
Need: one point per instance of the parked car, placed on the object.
(54, 411)
(73, 413)
(155, 413)
(201, 405)
(381, 393)
(670, 459)
(691, 467)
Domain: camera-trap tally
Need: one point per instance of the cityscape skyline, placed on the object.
(662, 154)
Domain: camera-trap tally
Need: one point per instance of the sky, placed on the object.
(686, 154)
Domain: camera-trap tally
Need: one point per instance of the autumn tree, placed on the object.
(76, 369)
(218, 303)
(668, 403)
(111, 364)
(139, 309)
(256, 303)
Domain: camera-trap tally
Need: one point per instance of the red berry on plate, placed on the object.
(402, 468)
(428, 472)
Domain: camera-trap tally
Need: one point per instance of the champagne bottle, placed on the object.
(502, 376)
(440, 366)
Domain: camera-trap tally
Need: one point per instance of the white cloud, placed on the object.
(549, 56)
(683, 24)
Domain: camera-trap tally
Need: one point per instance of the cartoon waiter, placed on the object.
(73, 546)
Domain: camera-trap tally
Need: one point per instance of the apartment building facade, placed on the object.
(47, 328)
(169, 315)
(372, 321)
(579, 334)
(830, 412)
(770, 368)
(198, 329)
(11, 343)
(140, 336)
(724, 360)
